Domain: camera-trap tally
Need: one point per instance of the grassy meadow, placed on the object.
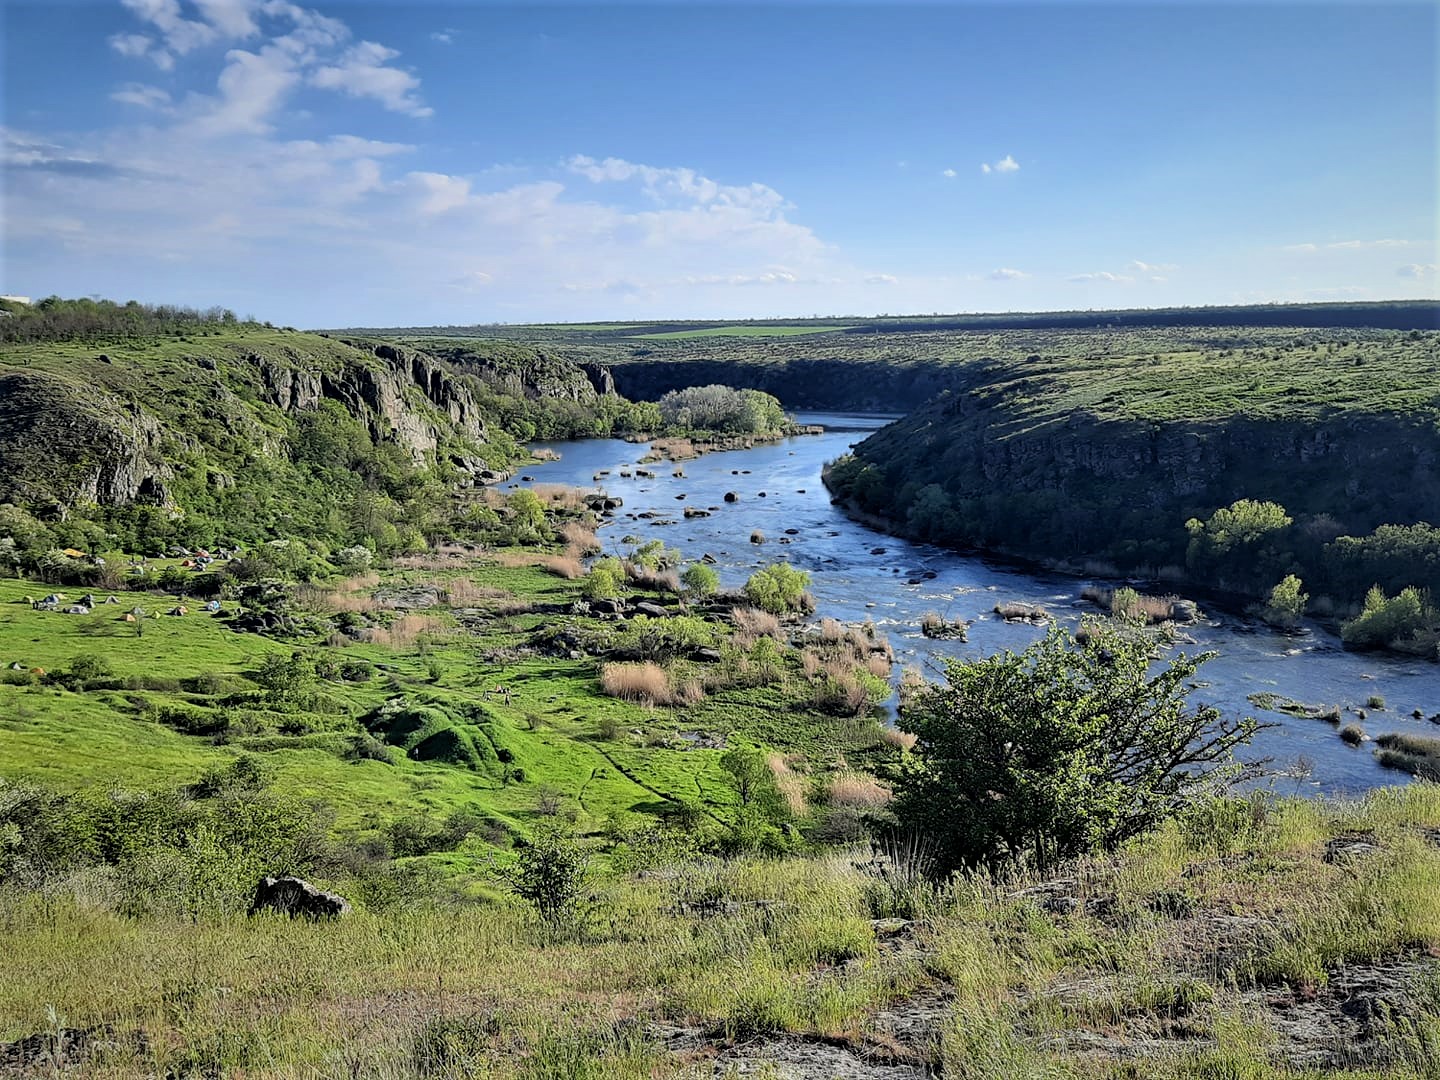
(1266, 938)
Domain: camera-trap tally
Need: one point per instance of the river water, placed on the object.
(778, 488)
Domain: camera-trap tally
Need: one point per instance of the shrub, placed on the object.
(1405, 621)
(1376, 702)
(1059, 750)
(551, 873)
(700, 581)
(604, 583)
(645, 683)
(1286, 603)
(859, 791)
(778, 588)
(1353, 734)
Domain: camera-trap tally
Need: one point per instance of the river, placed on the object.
(778, 488)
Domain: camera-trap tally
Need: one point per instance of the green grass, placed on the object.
(742, 331)
(1126, 982)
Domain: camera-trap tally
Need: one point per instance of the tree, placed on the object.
(551, 873)
(1060, 750)
(700, 581)
(777, 588)
(1287, 603)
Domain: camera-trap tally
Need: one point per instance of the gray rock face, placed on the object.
(295, 896)
(61, 440)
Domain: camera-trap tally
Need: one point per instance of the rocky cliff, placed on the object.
(112, 428)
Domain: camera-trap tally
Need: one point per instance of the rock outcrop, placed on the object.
(295, 896)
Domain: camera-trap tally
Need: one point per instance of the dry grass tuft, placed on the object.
(646, 683)
(901, 740)
(407, 630)
(861, 791)
(513, 560)
(879, 665)
(790, 784)
(751, 624)
(579, 540)
(565, 566)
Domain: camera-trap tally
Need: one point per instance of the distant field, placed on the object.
(742, 331)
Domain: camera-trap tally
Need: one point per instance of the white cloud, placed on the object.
(146, 97)
(1103, 276)
(1005, 273)
(362, 72)
(1007, 164)
(444, 37)
(131, 45)
(881, 279)
(672, 185)
(949, 174)
(181, 35)
(1152, 268)
(299, 47)
(1345, 245)
(1416, 270)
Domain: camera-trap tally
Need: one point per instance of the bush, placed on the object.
(1059, 750)
(700, 581)
(1286, 603)
(551, 873)
(778, 588)
(1405, 621)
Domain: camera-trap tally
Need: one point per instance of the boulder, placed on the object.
(654, 611)
(607, 607)
(295, 896)
(731, 496)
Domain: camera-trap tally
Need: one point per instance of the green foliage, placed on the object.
(604, 583)
(551, 873)
(700, 581)
(1286, 603)
(777, 588)
(717, 408)
(1057, 751)
(1406, 622)
(54, 319)
(1237, 530)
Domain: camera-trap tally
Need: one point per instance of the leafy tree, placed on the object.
(1060, 750)
(777, 588)
(1287, 603)
(551, 874)
(700, 581)
(1406, 619)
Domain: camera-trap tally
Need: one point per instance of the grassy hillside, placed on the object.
(1106, 457)
(1255, 939)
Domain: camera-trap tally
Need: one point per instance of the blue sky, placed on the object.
(327, 164)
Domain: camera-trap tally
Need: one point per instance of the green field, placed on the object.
(740, 332)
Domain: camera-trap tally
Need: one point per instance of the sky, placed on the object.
(325, 164)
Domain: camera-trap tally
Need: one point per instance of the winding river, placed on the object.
(779, 493)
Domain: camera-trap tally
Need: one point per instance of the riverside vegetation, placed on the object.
(596, 817)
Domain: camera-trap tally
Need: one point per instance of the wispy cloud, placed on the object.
(949, 174)
(363, 71)
(1007, 164)
(146, 97)
(1417, 270)
(1102, 276)
(881, 279)
(1345, 245)
(1006, 273)
(1152, 268)
(444, 37)
(298, 46)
